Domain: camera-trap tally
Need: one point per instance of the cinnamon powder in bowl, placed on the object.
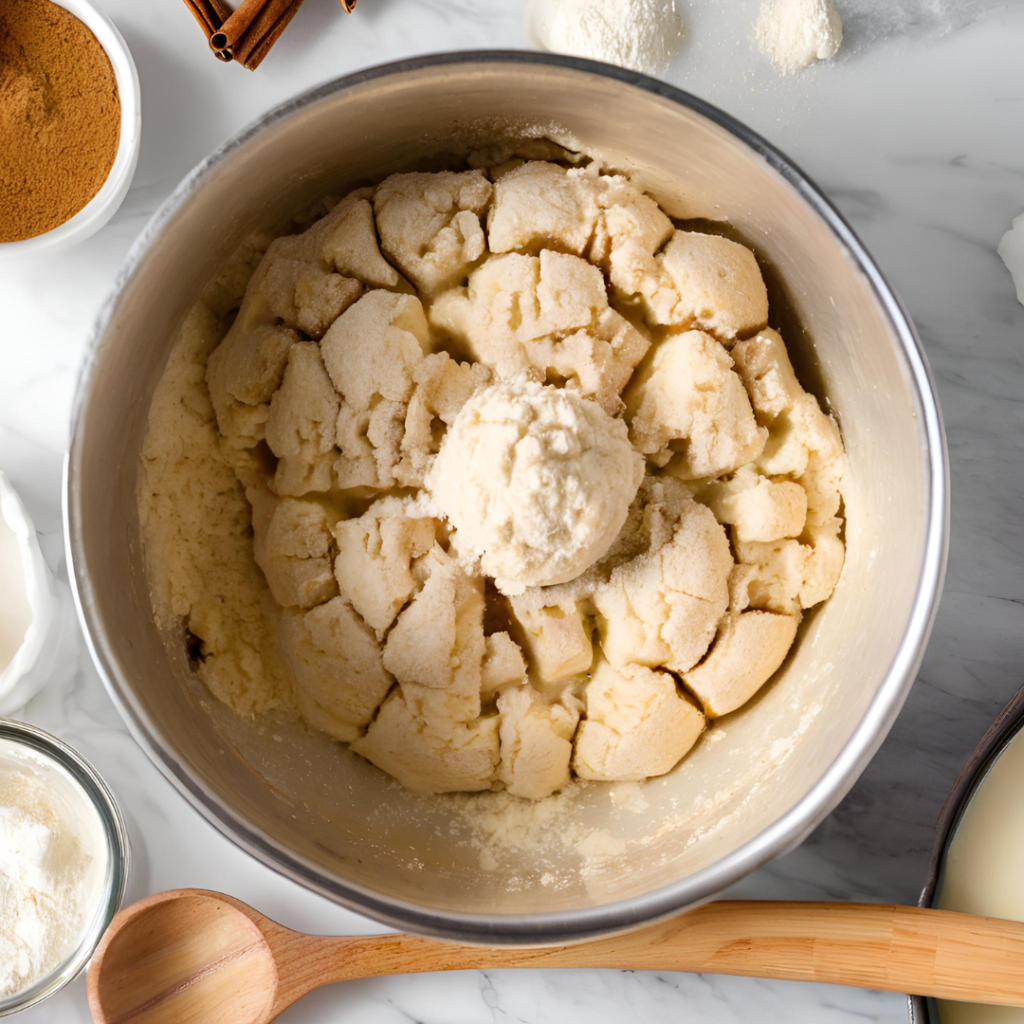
(60, 116)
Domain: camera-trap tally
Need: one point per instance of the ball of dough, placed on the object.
(537, 482)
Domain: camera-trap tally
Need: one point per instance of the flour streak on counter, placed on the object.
(931, 177)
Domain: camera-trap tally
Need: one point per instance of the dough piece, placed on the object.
(536, 743)
(224, 294)
(495, 156)
(747, 652)
(371, 445)
(596, 361)
(301, 292)
(763, 364)
(536, 481)
(792, 574)
(631, 230)
(441, 388)
(660, 504)
(662, 608)
(513, 299)
(638, 725)
(302, 424)
(688, 399)
(436, 648)
(757, 508)
(243, 373)
(540, 204)
(546, 316)
(289, 289)
(373, 349)
(608, 219)
(316, 716)
(196, 526)
(430, 226)
(376, 553)
(292, 545)
(803, 443)
(336, 661)
(556, 639)
(371, 353)
(461, 759)
(503, 664)
(706, 282)
(348, 242)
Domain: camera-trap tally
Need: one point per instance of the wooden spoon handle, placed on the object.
(878, 946)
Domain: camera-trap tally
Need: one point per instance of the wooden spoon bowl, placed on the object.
(195, 957)
(184, 956)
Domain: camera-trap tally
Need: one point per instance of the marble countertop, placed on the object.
(916, 133)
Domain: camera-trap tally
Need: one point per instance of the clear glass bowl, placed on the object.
(22, 746)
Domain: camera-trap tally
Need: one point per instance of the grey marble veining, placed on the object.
(916, 134)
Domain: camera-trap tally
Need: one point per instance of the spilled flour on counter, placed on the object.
(868, 21)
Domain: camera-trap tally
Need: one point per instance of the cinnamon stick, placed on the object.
(210, 14)
(237, 23)
(253, 29)
(247, 33)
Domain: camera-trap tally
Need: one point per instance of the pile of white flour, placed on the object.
(639, 34)
(44, 879)
(796, 33)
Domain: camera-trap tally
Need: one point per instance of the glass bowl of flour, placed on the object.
(63, 864)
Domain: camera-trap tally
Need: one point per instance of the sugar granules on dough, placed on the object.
(44, 872)
(793, 34)
(639, 34)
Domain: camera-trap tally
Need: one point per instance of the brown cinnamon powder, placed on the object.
(60, 117)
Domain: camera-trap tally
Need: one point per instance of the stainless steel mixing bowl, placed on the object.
(764, 777)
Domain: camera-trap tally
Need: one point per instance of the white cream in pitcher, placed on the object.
(984, 866)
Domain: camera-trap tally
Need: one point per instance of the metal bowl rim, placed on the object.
(791, 827)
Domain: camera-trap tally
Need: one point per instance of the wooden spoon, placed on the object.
(197, 957)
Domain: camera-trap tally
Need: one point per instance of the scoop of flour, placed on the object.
(537, 482)
(796, 33)
(642, 35)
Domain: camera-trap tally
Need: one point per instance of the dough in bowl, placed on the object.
(496, 474)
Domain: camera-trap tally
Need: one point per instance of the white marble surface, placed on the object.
(916, 133)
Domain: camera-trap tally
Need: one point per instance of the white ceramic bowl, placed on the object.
(105, 203)
(48, 653)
